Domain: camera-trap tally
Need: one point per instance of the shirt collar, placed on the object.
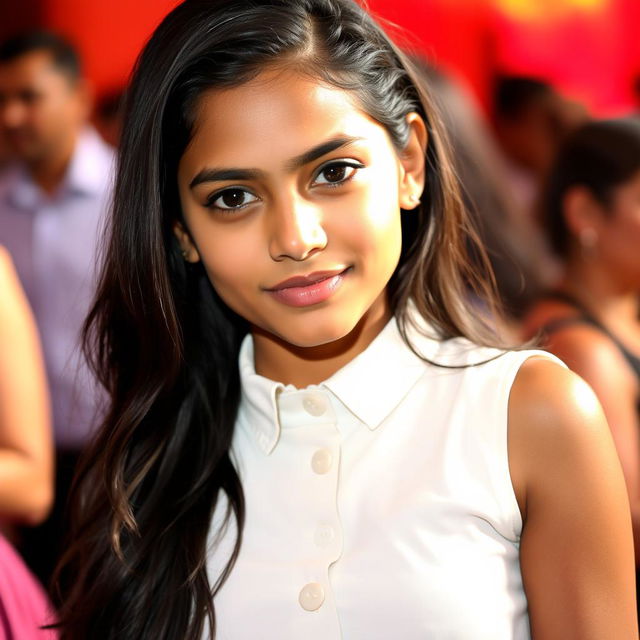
(376, 381)
(258, 400)
(371, 386)
(86, 172)
(19, 190)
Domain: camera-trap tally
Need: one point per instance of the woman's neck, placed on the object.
(615, 304)
(303, 366)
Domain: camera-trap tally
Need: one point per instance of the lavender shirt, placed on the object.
(53, 242)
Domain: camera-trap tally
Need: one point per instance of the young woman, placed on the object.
(310, 434)
(592, 320)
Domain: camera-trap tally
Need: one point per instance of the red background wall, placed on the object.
(588, 48)
(110, 34)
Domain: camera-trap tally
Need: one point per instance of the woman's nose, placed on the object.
(296, 230)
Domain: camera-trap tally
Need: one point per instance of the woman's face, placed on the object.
(291, 198)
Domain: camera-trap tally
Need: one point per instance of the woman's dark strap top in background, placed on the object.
(583, 316)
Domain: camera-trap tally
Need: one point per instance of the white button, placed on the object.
(321, 461)
(311, 597)
(314, 404)
(325, 535)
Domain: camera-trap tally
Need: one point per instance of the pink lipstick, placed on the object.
(304, 291)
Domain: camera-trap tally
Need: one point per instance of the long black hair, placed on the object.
(163, 343)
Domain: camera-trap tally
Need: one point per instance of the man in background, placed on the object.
(53, 197)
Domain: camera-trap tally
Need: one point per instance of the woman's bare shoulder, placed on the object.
(571, 491)
(547, 396)
(541, 314)
(585, 348)
(552, 407)
(554, 416)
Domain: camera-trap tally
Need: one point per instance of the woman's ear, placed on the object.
(582, 212)
(413, 163)
(188, 249)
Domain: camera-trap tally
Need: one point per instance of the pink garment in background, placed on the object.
(24, 606)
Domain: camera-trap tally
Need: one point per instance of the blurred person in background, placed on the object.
(530, 120)
(26, 456)
(591, 321)
(26, 447)
(4, 153)
(519, 258)
(52, 200)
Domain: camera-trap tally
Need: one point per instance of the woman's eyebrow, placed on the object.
(320, 150)
(218, 175)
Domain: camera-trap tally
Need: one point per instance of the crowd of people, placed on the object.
(326, 353)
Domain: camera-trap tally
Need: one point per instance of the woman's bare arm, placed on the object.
(576, 547)
(26, 449)
(594, 357)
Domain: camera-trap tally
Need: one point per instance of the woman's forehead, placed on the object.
(273, 115)
(273, 94)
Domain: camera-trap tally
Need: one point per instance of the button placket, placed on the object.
(316, 413)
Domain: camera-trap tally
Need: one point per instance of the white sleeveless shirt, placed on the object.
(379, 503)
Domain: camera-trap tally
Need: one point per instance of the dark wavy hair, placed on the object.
(165, 346)
(600, 155)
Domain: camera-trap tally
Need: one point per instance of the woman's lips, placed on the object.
(303, 291)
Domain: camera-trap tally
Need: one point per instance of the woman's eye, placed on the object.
(337, 173)
(231, 199)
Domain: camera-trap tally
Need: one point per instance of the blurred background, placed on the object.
(587, 49)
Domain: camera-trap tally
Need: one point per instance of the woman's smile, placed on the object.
(302, 291)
